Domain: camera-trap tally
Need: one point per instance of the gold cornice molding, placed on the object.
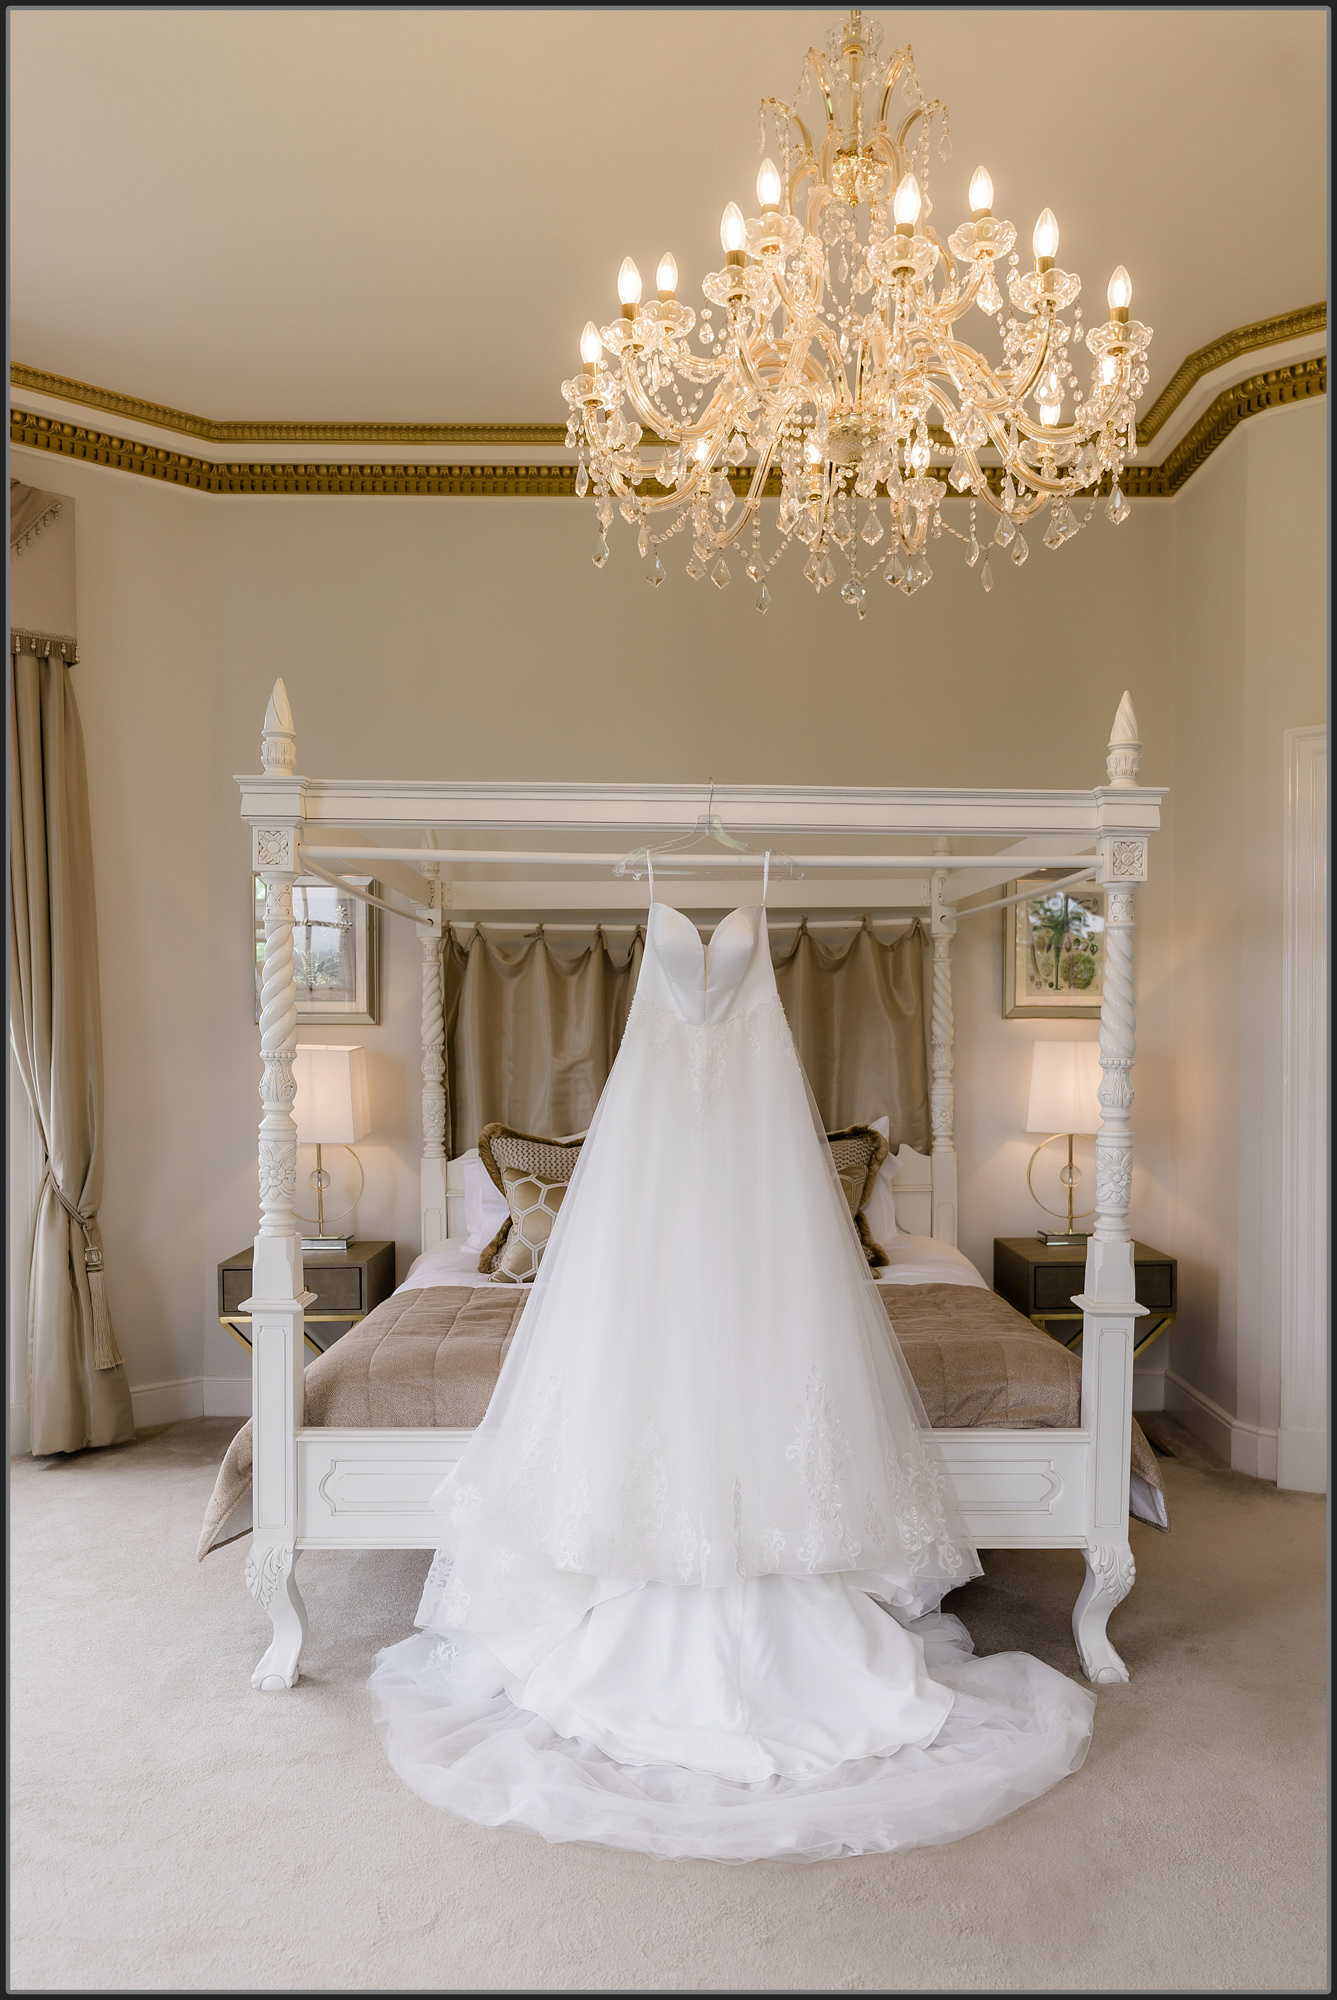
(1268, 391)
(1220, 353)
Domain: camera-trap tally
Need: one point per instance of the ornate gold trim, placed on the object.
(1217, 353)
(1230, 346)
(1152, 482)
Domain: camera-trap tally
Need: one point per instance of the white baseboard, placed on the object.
(18, 1430)
(227, 1395)
(167, 1402)
(1250, 1448)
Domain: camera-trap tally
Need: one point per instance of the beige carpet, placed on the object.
(170, 1829)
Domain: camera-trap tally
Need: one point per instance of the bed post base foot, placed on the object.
(270, 1578)
(1109, 1578)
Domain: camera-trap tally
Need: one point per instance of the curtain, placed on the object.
(532, 1029)
(77, 1389)
(856, 1012)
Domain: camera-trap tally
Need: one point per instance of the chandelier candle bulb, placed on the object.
(1120, 296)
(769, 187)
(591, 347)
(981, 195)
(1045, 240)
(733, 233)
(906, 206)
(629, 288)
(666, 277)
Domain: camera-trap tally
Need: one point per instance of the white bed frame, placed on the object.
(360, 1489)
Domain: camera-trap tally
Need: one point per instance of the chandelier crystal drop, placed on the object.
(833, 354)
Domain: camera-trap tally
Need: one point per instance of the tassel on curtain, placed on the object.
(77, 1390)
(532, 1029)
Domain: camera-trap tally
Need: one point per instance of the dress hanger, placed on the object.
(709, 839)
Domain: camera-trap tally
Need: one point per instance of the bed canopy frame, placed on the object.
(543, 850)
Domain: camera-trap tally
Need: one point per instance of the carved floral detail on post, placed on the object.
(279, 1085)
(1128, 858)
(1114, 1178)
(1113, 1563)
(1116, 1092)
(273, 847)
(278, 1172)
(264, 1577)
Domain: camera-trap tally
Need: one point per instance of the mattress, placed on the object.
(430, 1355)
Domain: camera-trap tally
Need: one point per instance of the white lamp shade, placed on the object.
(332, 1106)
(1065, 1085)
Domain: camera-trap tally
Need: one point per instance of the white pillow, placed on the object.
(880, 1208)
(485, 1206)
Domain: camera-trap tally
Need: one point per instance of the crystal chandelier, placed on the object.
(829, 367)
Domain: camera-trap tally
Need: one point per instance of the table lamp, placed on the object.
(1064, 1100)
(332, 1108)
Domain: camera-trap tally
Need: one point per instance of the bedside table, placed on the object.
(347, 1284)
(1039, 1280)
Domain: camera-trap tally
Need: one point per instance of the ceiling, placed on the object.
(408, 215)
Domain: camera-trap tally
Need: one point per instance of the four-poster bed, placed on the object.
(340, 1486)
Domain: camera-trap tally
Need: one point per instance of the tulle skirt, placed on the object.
(993, 1734)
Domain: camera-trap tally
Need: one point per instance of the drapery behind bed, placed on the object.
(532, 1028)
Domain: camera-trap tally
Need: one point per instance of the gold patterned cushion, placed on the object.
(858, 1153)
(533, 1173)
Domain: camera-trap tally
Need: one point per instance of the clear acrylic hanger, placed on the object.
(708, 838)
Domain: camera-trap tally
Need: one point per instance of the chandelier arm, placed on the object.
(819, 70)
(896, 65)
(924, 111)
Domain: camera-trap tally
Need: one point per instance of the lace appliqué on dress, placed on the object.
(711, 1047)
(819, 1449)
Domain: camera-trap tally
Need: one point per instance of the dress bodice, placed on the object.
(706, 983)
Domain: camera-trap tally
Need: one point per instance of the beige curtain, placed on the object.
(77, 1391)
(532, 1029)
(856, 1012)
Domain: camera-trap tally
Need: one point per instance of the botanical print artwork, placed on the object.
(1054, 952)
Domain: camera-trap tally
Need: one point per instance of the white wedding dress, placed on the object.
(686, 1595)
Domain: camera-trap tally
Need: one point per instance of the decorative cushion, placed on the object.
(858, 1153)
(533, 1173)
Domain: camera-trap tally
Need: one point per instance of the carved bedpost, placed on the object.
(435, 1139)
(278, 1294)
(1108, 1302)
(942, 1093)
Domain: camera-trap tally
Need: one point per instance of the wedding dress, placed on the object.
(685, 1599)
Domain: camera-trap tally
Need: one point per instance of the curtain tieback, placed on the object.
(106, 1354)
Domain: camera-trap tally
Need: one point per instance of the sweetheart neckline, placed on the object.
(742, 910)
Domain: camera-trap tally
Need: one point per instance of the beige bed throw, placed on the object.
(430, 1359)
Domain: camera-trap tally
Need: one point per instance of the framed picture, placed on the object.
(335, 951)
(1053, 952)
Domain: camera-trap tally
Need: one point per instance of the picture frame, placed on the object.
(1053, 951)
(336, 951)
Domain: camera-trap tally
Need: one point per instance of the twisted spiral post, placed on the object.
(433, 1050)
(942, 1093)
(278, 1039)
(1118, 1026)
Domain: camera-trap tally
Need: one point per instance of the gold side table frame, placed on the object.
(1157, 1328)
(234, 1322)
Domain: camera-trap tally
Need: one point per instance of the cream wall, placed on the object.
(432, 638)
(1251, 661)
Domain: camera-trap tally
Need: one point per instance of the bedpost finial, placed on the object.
(278, 745)
(1124, 752)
